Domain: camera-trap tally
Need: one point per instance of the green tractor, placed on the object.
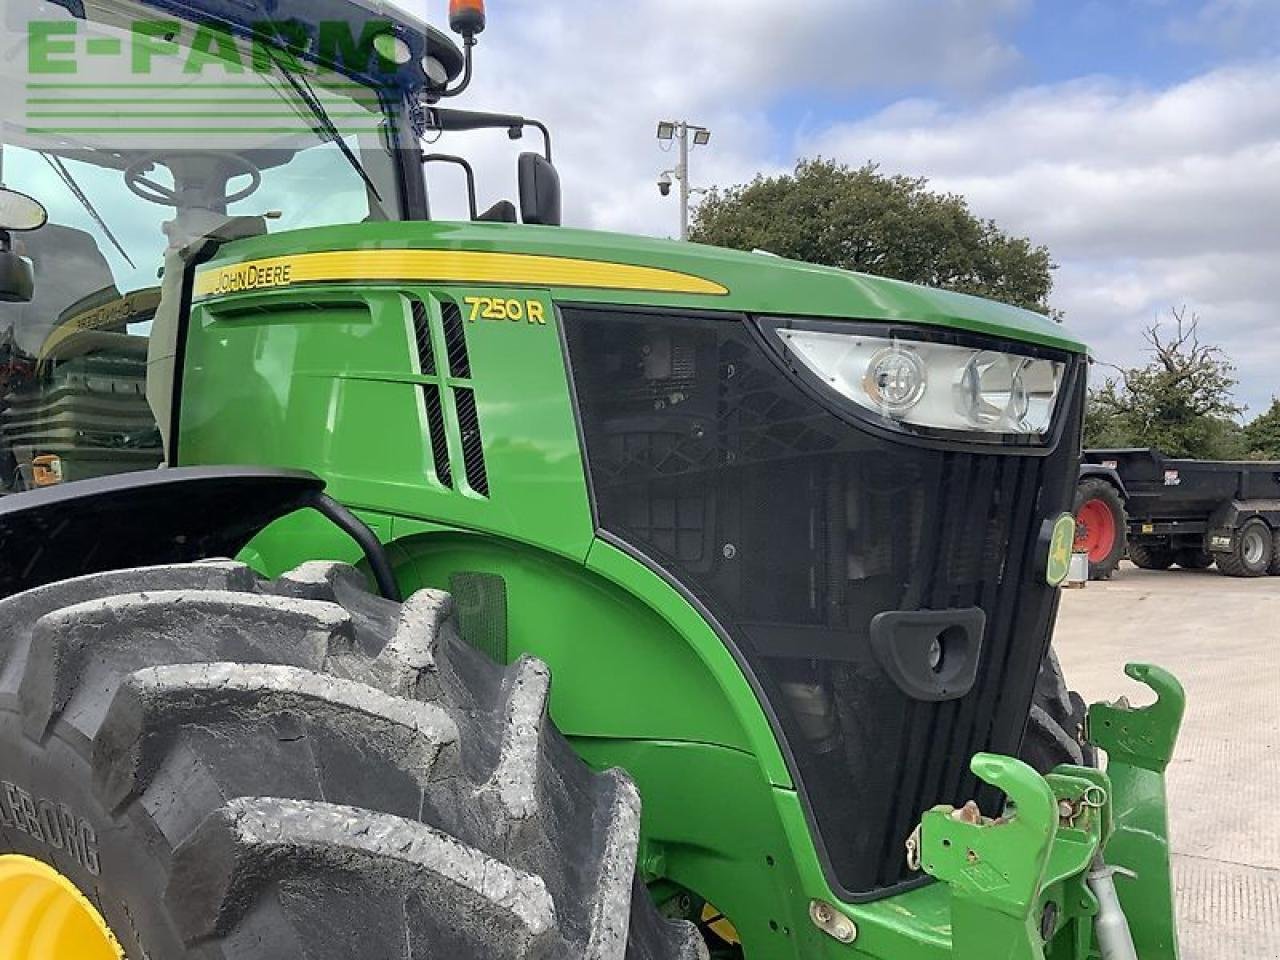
(789, 538)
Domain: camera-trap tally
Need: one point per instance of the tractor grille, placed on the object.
(980, 550)
(796, 528)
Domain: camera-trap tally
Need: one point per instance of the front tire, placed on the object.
(1055, 732)
(243, 769)
(1100, 527)
(1252, 551)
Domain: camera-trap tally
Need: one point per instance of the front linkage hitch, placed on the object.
(1038, 881)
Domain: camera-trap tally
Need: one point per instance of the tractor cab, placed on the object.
(191, 131)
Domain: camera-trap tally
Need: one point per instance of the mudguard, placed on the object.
(157, 517)
(1109, 474)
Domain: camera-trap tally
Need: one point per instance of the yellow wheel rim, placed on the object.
(718, 924)
(44, 916)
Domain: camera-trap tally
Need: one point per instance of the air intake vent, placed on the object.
(422, 336)
(455, 339)
(472, 443)
(448, 397)
(439, 439)
(480, 600)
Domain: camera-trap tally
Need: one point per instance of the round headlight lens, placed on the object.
(895, 379)
(991, 391)
(987, 388)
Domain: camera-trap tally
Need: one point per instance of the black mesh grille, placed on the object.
(422, 338)
(796, 528)
(472, 442)
(438, 437)
(455, 340)
(480, 600)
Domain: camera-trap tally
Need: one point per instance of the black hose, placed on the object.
(365, 538)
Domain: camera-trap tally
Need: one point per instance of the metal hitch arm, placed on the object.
(1139, 743)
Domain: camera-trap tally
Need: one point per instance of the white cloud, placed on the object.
(1147, 198)
(1234, 26)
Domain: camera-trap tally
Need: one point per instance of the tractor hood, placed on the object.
(590, 266)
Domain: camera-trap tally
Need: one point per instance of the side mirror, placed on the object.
(18, 213)
(539, 190)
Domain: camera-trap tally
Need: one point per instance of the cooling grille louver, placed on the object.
(422, 338)
(449, 391)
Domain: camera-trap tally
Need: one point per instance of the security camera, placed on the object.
(664, 184)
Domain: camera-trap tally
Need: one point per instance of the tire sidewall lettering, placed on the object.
(51, 824)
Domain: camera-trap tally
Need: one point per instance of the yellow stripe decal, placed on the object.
(445, 266)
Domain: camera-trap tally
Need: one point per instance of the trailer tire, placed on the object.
(1055, 731)
(1274, 568)
(1252, 551)
(1150, 558)
(271, 770)
(1191, 558)
(1100, 526)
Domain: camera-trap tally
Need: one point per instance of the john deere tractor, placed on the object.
(327, 489)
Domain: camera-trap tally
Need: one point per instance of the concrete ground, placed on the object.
(1221, 638)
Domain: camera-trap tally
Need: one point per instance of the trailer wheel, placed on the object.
(1274, 568)
(1100, 527)
(1055, 728)
(1150, 557)
(1191, 558)
(1252, 551)
(195, 762)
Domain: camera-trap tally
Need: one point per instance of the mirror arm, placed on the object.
(546, 136)
(448, 120)
(471, 175)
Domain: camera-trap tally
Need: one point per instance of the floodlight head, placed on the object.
(702, 137)
(666, 130)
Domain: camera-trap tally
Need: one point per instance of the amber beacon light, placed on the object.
(466, 17)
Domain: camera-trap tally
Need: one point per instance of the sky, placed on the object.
(1138, 139)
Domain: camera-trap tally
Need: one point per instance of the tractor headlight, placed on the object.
(940, 386)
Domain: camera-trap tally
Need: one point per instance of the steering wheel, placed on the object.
(226, 166)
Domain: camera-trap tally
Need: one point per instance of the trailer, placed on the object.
(1197, 513)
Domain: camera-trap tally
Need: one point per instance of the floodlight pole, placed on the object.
(682, 174)
(682, 131)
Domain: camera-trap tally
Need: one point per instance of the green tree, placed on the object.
(894, 226)
(1262, 435)
(1180, 402)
